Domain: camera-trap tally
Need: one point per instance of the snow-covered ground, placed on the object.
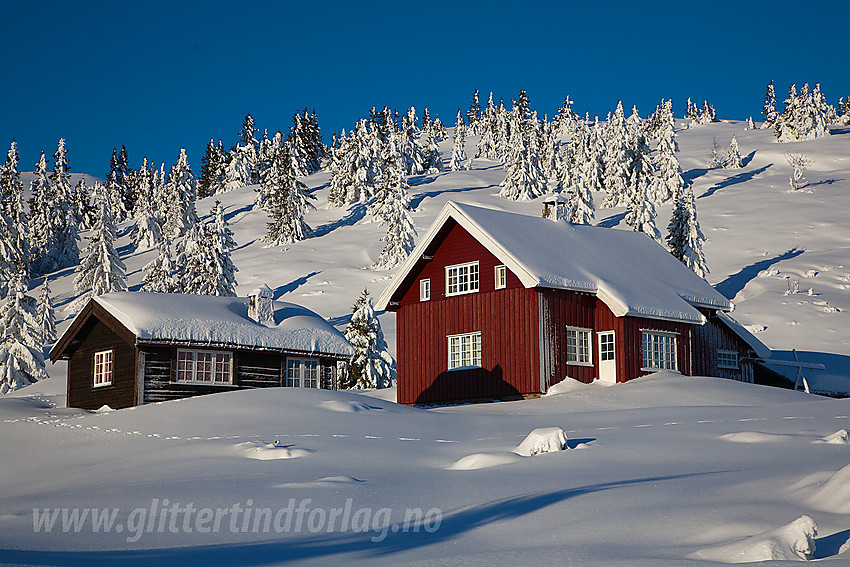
(664, 470)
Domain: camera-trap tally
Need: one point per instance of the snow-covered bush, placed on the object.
(543, 440)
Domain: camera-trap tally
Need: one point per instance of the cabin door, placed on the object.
(607, 361)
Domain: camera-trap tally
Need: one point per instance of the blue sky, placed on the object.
(157, 76)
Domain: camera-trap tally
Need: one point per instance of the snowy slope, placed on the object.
(661, 471)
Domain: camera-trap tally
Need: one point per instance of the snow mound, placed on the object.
(834, 496)
(270, 451)
(543, 440)
(104, 409)
(347, 406)
(484, 460)
(840, 437)
(328, 481)
(794, 541)
(568, 385)
(752, 437)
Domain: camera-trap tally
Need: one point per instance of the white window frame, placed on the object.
(103, 370)
(730, 355)
(425, 289)
(579, 346)
(501, 273)
(656, 351)
(462, 279)
(302, 366)
(196, 367)
(464, 351)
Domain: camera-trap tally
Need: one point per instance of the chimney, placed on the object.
(555, 206)
(260, 307)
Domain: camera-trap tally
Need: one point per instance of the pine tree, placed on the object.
(204, 266)
(286, 201)
(641, 215)
(733, 155)
(180, 203)
(47, 222)
(101, 270)
(371, 366)
(21, 357)
(127, 176)
(616, 176)
(45, 316)
(147, 232)
(768, 110)
(459, 159)
(524, 179)
(160, 273)
(66, 252)
(115, 189)
(473, 113)
(566, 120)
(15, 229)
(392, 207)
(213, 166)
(684, 237)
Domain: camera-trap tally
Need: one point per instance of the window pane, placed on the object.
(293, 372)
(203, 367)
(222, 368)
(311, 374)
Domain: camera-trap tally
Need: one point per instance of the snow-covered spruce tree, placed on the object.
(82, 202)
(213, 165)
(15, 223)
(580, 206)
(305, 158)
(160, 273)
(202, 267)
(180, 204)
(641, 215)
(221, 228)
(768, 110)
(684, 237)
(392, 208)
(733, 155)
(372, 366)
(554, 162)
(432, 161)
(101, 270)
(459, 159)
(489, 130)
(439, 129)
(286, 201)
(715, 156)
(115, 189)
(46, 316)
(635, 125)
(616, 177)
(805, 116)
(53, 242)
(21, 358)
(473, 113)
(668, 180)
(128, 177)
(524, 179)
(67, 253)
(147, 232)
(566, 120)
(750, 125)
(412, 153)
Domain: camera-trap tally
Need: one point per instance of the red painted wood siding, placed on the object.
(506, 318)
(708, 339)
(561, 309)
(459, 247)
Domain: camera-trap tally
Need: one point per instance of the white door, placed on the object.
(607, 362)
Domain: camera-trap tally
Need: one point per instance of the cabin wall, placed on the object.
(97, 337)
(560, 309)
(714, 336)
(507, 319)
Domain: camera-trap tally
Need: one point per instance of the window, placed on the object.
(578, 346)
(424, 290)
(659, 350)
(462, 278)
(302, 372)
(606, 346)
(464, 351)
(103, 368)
(727, 359)
(204, 367)
(501, 277)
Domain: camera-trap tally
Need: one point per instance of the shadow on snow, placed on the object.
(738, 178)
(731, 286)
(325, 545)
(293, 285)
(355, 215)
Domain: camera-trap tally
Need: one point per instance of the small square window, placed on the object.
(425, 290)
(501, 277)
(727, 359)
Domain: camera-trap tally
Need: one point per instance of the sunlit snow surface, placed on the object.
(655, 472)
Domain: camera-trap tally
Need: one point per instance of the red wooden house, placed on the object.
(493, 304)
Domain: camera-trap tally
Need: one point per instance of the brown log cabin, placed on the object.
(497, 305)
(130, 348)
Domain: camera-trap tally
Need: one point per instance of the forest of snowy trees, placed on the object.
(629, 160)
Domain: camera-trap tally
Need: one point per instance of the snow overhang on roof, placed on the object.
(628, 271)
(221, 321)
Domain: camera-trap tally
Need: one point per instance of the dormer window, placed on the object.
(462, 278)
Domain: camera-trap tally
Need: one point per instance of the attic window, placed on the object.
(103, 368)
(462, 278)
(425, 290)
(204, 367)
(501, 277)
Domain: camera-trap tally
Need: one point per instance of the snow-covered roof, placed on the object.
(761, 349)
(627, 270)
(221, 321)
